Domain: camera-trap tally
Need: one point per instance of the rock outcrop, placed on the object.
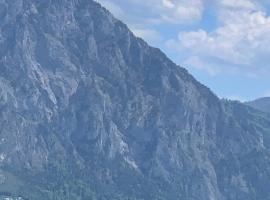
(89, 111)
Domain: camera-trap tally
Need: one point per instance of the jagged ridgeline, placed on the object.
(88, 111)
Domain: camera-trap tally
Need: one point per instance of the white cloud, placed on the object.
(168, 3)
(150, 35)
(143, 16)
(197, 63)
(239, 4)
(239, 42)
(157, 11)
(242, 40)
(182, 11)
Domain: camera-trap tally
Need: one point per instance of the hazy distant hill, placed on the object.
(262, 104)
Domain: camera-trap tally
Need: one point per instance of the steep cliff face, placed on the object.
(89, 111)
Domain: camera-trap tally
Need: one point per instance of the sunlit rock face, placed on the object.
(89, 111)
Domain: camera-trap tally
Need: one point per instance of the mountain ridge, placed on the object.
(262, 104)
(89, 111)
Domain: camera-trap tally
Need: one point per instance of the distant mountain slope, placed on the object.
(88, 111)
(262, 104)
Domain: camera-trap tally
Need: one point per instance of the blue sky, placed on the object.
(225, 44)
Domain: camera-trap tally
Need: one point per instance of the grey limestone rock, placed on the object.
(89, 111)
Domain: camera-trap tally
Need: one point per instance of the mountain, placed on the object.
(262, 104)
(91, 112)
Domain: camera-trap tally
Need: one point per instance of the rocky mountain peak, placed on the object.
(90, 111)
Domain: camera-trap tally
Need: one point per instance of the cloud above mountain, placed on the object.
(215, 37)
(156, 11)
(239, 44)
